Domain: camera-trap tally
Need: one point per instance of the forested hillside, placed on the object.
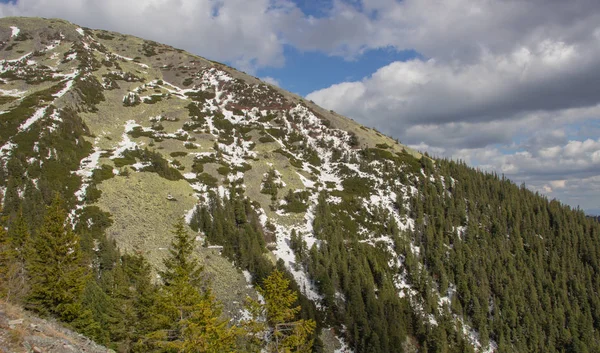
(156, 201)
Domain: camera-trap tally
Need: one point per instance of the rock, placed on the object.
(13, 323)
(36, 349)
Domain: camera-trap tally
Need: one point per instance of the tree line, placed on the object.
(62, 272)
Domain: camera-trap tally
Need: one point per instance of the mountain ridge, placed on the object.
(378, 238)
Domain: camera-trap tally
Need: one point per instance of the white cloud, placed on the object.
(495, 86)
(240, 31)
(270, 80)
(449, 30)
(558, 184)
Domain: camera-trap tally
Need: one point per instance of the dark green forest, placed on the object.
(521, 270)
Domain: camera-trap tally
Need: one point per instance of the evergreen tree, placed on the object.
(180, 265)
(274, 325)
(185, 317)
(8, 264)
(57, 274)
(17, 251)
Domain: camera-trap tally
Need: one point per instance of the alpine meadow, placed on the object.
(156, 201)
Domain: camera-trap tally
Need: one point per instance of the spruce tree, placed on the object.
(8, 258)
(17, 249)
(186, 317)
(273, 325)
(20, 237)
(57, 274)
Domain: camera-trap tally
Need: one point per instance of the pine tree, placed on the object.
(17, 249)
(57, 274)
(8, 260)
(274, 325)
(205, 331)
(20, 237)
(186, 318)
(180, 265)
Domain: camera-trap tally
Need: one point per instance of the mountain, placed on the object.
(390, 250)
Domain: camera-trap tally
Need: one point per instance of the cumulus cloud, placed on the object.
(451, 29)
(509, 86)
(547, 77)
(240, 31)
(270, 80)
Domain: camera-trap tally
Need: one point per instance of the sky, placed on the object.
(511, 86)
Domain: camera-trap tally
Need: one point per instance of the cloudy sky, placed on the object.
(506, 85)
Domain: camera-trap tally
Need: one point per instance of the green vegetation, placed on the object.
(131, 100)
(57, 277)
(153, 99)
(186, 317)
(473, 248)
(200, 96)
(296, 202)
(357, 186)
(270, 184)
(178, 154)
(90, 91)
(149, 48)
(283, 332)
(266, 139)
(13, 118)
(208, 180)
(154, 160)
(7, 99)
(79, 277)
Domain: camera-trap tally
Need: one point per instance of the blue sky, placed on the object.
(483, 81)
(314, 70)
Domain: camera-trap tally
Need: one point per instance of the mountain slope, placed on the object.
(389, 248)
(23, 332)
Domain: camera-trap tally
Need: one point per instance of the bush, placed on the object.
(357, 186)
(105, 172)
(297, 202)
(208, 180)
(266, 139)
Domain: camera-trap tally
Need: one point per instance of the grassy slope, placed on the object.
(142, 215)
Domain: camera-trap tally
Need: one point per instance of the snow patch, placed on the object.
(35, 117)
(189, 214)
(85, 171)
(12, 92)
(68, 85)
(126, 143)
(15, 31)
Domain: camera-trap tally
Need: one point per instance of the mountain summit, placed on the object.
(389, 250)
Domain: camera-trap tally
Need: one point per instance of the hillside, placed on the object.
(22, 332)
(388, 248)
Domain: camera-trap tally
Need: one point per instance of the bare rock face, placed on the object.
(21, 331)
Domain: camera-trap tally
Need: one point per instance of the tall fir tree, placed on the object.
(8, 259)
(274, 325)
(57, 274)
(18, 244)
(186, 318)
